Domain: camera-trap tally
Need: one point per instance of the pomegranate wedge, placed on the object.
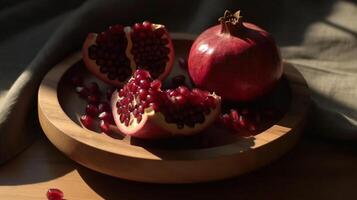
(141, 109)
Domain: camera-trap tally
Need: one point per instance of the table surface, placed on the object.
(315, 169)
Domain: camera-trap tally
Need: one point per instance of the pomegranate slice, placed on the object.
(141, 109)
(114, 54)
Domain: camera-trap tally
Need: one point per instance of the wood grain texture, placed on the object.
(315, 168)
(58, 114)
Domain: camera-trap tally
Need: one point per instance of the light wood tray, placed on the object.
(214, 155)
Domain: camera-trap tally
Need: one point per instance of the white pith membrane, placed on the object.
(153, 52)
(154, 123)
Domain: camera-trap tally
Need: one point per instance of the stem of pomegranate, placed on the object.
(231, 23)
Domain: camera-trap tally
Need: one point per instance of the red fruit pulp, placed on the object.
(141, 109)
(114, 54)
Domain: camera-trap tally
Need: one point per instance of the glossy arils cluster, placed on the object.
(187, 107)
(114, 54)
(149, 48)
(180, 106)
(247, 119)
(135, 97)
(109, 53)
(234, 120)
(97, 107)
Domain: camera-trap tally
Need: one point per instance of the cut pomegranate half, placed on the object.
(115, 54)
(141, 109)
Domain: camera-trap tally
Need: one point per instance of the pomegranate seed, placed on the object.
(93, 88)
(104, 106)
(92, 110)
(142, 94)
(106, 116)
(137, 27)
(234, 115)
(211, 102)
(145, 104)
(180, 99)
(116, 28)
(141, 74)
(196, 99)
(154, 92)
(154, 106)
(54, 194)
(178, 80)
(104, 126)
(149, 98)
(173, 93)
(82, 91)
(125, 101)
(136, 113)
(87, 121)
(126, 122)
(242, 121)
(236, 125)
(183, 90)
(130, 98)
(141, 109)
(144, 84)
(139, 118)
(155, 85)
(121, 93)
(225, 120)
(122, 118)
(77, 81)
(147, 26)
(183, 63)
(93, 99)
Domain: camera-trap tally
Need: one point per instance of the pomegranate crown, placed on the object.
(231, 23)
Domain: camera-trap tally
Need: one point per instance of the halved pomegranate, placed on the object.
(116, 53)
(141, 109)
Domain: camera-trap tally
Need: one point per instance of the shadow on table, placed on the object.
(39, 163)
(315, 169)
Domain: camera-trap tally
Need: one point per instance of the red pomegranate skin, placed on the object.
(239, 68)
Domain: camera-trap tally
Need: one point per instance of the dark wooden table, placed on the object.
(315, 169)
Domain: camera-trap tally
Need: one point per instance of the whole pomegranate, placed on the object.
(237, 60)
(113, 55)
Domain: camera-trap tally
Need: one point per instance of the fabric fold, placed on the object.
(315, 41)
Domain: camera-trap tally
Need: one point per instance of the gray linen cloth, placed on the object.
(319, 37)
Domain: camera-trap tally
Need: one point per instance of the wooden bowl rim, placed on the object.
(48, 101)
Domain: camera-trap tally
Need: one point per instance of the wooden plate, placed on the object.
(213, 155)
